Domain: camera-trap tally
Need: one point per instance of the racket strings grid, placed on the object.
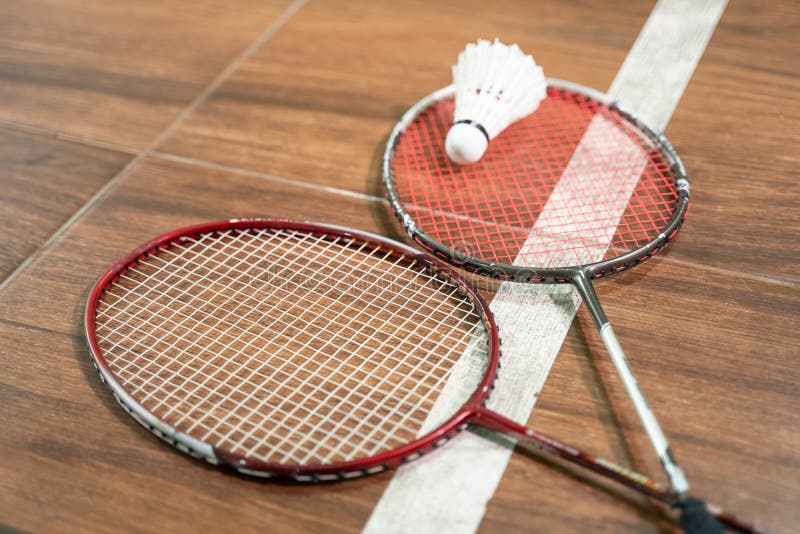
(484, 214)
(346, 371)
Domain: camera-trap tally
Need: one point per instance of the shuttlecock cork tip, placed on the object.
(465, 143)
(495, 86)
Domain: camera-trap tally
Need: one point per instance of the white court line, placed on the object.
(449, 491)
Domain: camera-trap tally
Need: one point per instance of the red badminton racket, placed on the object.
(579, 190)
(303, 351)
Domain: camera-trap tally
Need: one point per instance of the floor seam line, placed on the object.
(265, 175)
(218, 80)
(372, 198)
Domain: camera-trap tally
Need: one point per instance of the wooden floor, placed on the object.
(122, 120)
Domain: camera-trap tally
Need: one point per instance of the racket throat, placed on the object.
(498, 423)
(585, 289)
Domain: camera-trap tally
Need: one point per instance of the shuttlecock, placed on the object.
(496, 85)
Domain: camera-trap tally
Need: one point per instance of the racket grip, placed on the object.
(697, 519)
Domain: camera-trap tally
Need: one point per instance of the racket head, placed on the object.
(478, 217)
(129, 339)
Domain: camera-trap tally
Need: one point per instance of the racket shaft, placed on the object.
(677, 479)
(631, 479)
(626, 477)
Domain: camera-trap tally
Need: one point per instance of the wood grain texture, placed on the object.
(160, 196)
(51, 383)
(723, 390)
(117, 72)
(60, 471)
(287, 111)
(43, 182)
(319, 100)
(737, 129)
(713, 346)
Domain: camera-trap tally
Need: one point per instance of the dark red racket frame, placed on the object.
(310, 473)
(473, 411)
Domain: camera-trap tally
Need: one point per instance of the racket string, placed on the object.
(221, 383)
(256, 335)
(241, 319)
(488, 209)
(174, 309)
(210, 390)
(247, 398)
(584, 216)
(309, 393)
(365, 398)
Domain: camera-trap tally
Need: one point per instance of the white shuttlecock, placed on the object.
(496, 85)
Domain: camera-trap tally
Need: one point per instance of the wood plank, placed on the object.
(730, 409)
(64, 471)
(715, 358)
(117, 72)
(287, 112)
(161, 196)
(712, 344)
(60, 470)
(318, 101)
(737, 130)
(44, 181)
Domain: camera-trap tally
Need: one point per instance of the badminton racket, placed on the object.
(300, 351)
(579, 190)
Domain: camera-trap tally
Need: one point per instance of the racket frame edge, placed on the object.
(540, 274)
(254, 467)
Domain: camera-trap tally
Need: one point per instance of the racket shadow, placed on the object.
(387, 225)
(646, 509)
(596, 378)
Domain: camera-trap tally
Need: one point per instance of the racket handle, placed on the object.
(697, 519)
(696, 516)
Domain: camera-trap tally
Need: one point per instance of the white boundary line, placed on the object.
(449, 491)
